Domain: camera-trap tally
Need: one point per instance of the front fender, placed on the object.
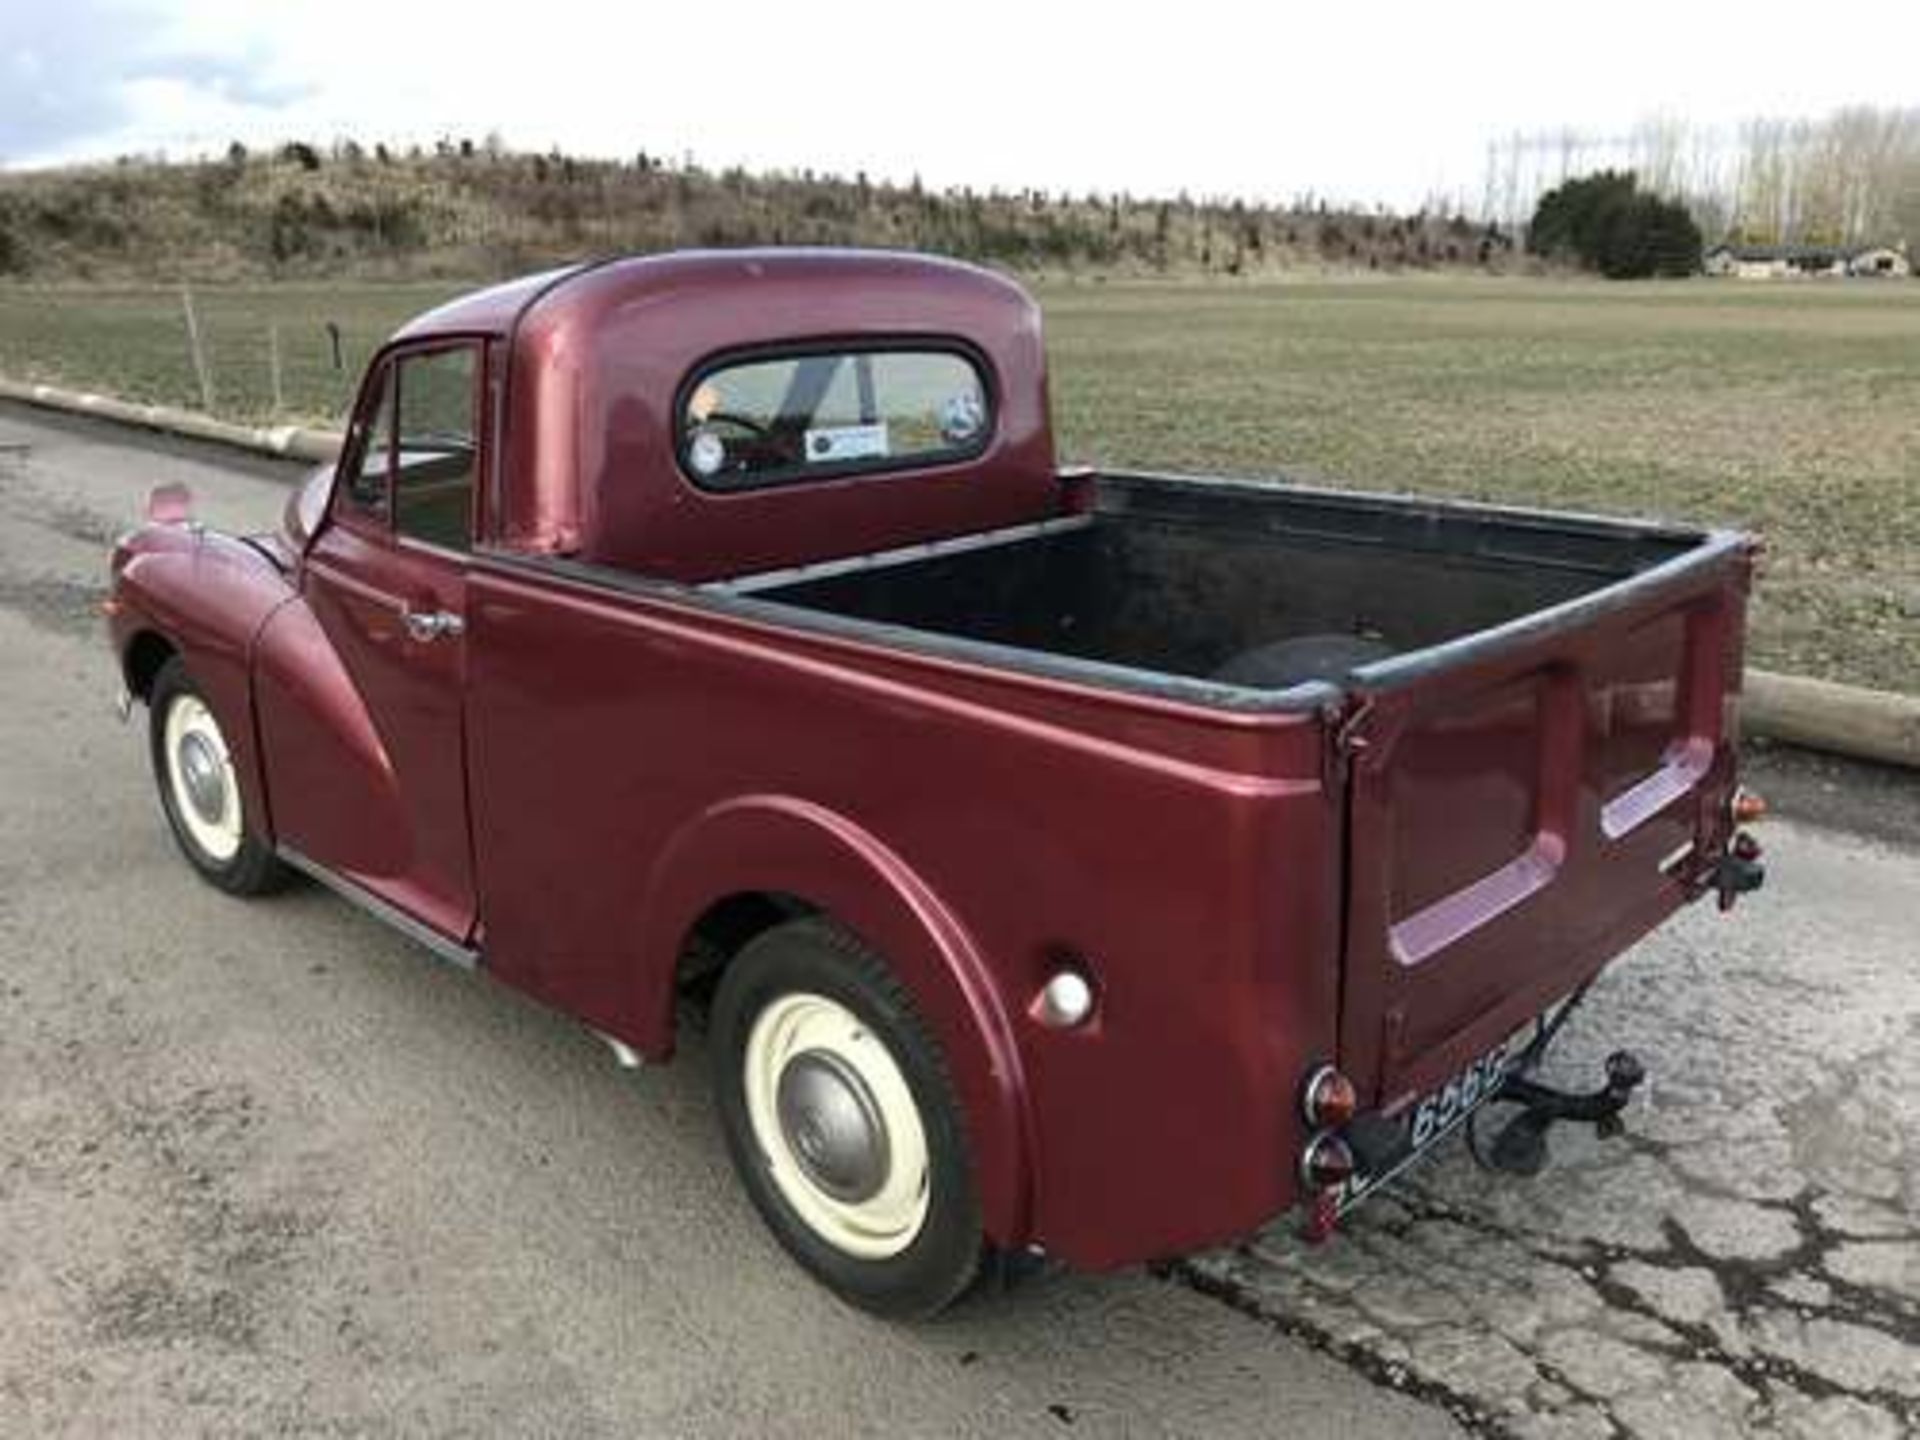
(208, 597)
(339, 797)
(782, 845)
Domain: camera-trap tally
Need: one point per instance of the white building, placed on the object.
(1782, 262)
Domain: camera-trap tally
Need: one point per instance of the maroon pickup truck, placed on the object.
(1084, 864)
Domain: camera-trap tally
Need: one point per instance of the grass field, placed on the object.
(1790, 409)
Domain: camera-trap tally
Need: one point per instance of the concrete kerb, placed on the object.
(292, 442)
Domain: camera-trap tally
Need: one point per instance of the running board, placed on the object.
(453, 952)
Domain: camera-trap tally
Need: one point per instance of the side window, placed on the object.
(434, 475)
(771, 421)
(366, 488)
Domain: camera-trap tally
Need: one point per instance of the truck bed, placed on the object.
(1251, 586)
(1529, 746)
(1532, 709)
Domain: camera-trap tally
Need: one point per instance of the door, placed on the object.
(385, 580)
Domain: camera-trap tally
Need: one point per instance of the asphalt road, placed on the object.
(266, 1167)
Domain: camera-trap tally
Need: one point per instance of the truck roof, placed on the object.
(596, 355)
(581, 289)
(491, 311)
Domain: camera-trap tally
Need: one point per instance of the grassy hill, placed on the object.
(466, 211)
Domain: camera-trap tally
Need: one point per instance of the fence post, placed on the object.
(197, 350)
(273, 366)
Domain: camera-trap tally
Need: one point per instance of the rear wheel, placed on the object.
(200, 787)
(841, 1120)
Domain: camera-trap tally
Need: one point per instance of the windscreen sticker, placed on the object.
(846, 442)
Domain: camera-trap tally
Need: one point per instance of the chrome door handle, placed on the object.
(425, 625)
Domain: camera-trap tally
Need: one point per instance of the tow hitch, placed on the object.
(1521, 1146)
(1739, 871)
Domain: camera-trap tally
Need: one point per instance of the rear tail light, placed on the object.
(1328, 1099)
(1747, 807)
(1327, 1162)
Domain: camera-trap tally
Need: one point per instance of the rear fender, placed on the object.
(780, 845)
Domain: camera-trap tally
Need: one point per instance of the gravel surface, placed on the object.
(266, 1167)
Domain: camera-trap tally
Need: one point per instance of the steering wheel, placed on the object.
(728, 417)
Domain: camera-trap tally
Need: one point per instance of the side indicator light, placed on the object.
(1747, 807)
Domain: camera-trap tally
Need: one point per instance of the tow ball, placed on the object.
(1521, 1146)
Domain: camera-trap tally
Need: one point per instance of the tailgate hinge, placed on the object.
(1347, 737)
(1349, 740)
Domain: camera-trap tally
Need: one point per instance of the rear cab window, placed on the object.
(758, 421)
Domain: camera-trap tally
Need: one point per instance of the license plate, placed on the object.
(1441, 1111)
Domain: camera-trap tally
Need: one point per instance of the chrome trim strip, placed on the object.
(462, 956)
(904, 555)
(624, 1055)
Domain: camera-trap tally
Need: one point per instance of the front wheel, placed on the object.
(200, 788)
(841, 1120)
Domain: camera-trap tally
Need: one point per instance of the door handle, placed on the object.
(426, 625)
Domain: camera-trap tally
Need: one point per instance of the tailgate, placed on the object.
(1520, 804)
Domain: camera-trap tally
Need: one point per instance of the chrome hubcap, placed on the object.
(203, 777)
(833, 1125)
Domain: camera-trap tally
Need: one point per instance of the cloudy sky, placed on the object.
(1361, 100)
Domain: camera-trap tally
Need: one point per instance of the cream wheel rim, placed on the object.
(836, 1122)
(206, 795)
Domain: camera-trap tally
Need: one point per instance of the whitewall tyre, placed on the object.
(199, 784)
(841, 1120)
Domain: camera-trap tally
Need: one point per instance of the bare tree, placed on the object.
(1851, 177)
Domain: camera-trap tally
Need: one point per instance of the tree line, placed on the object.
(1851, 177)
(466, 208)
